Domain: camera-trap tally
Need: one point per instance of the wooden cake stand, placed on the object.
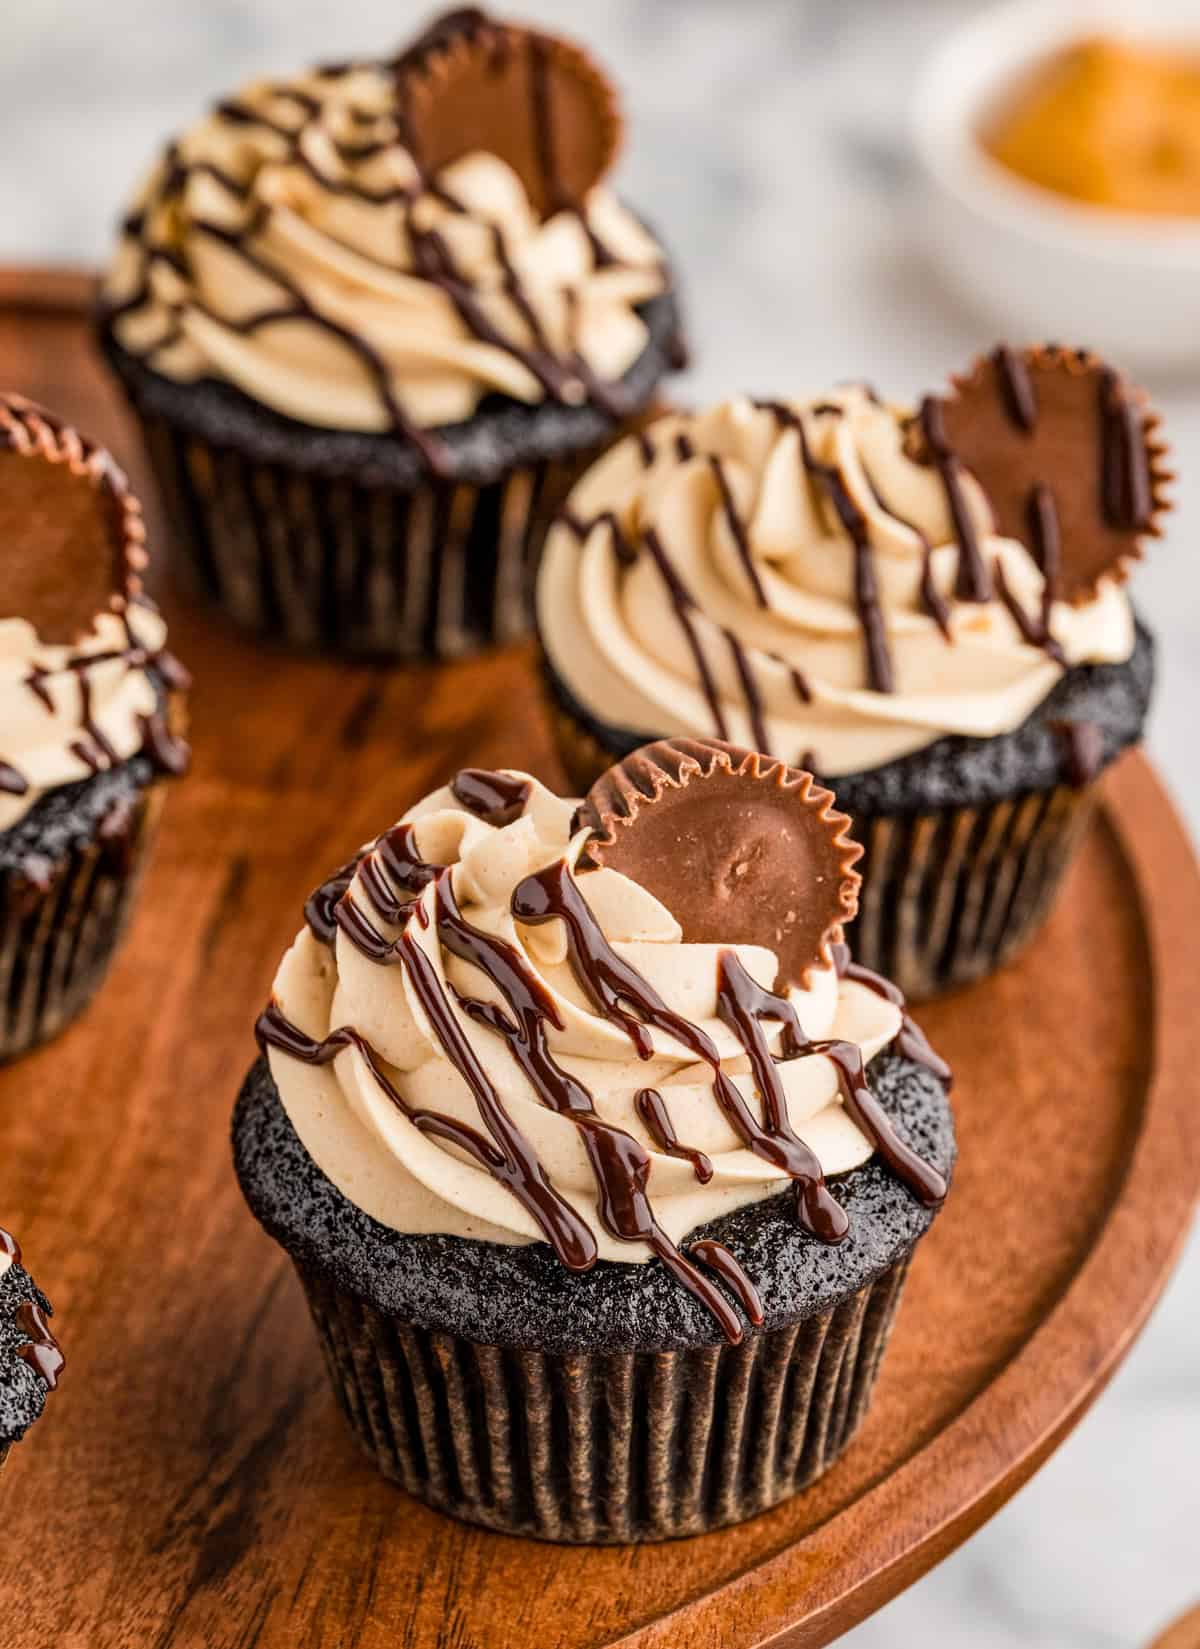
(192, 1483)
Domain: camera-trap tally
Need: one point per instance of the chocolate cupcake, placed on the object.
(374, 319)
(600, 1162)
(90, 707)
(30, 1358)
(927, 609)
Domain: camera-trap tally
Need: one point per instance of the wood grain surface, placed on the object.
(1183, 1634)
(191, 1482)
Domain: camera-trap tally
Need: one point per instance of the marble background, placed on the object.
(767, 139)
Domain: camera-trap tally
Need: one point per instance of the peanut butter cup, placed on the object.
(1068, 454)
(73, 535)
(475, 83)
(737, 846)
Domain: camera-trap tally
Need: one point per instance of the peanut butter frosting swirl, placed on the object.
(291, 245)
(68, 711)
(788, 575)
(475, 1035)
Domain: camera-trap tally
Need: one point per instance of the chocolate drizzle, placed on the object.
(165, 749)
(737, 528)
(972, 583)
(1083, 744)
(1016, 387)
(684, 604)
(912, 1041)
(652, 1108)
(750, 689)
(322, 902)
(1125, 482)
(39, 1348)
(1045, 540)
(496, 798)
(932, 599)
(1034, 631)
(854, 524)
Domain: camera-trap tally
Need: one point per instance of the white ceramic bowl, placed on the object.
(1042, 266)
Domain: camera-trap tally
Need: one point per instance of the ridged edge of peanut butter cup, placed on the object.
(73, 533)
(539, 102)
(740, 847)
(1066, 450)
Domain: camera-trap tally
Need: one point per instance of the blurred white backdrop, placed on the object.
(767, 141)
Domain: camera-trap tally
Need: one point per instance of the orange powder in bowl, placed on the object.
(1114, 123)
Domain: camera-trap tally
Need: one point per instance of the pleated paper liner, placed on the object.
(947, 896)
(373, 571)
(604, 1447)
(56, 942)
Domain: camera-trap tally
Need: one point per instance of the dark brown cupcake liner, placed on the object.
(58, 933)
(947, 896)
(582, 754)
(604, 1447)
(376, 571)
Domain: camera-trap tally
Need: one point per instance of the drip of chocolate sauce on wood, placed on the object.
(496, 798)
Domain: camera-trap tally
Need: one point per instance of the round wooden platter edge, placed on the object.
(836, 1573)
